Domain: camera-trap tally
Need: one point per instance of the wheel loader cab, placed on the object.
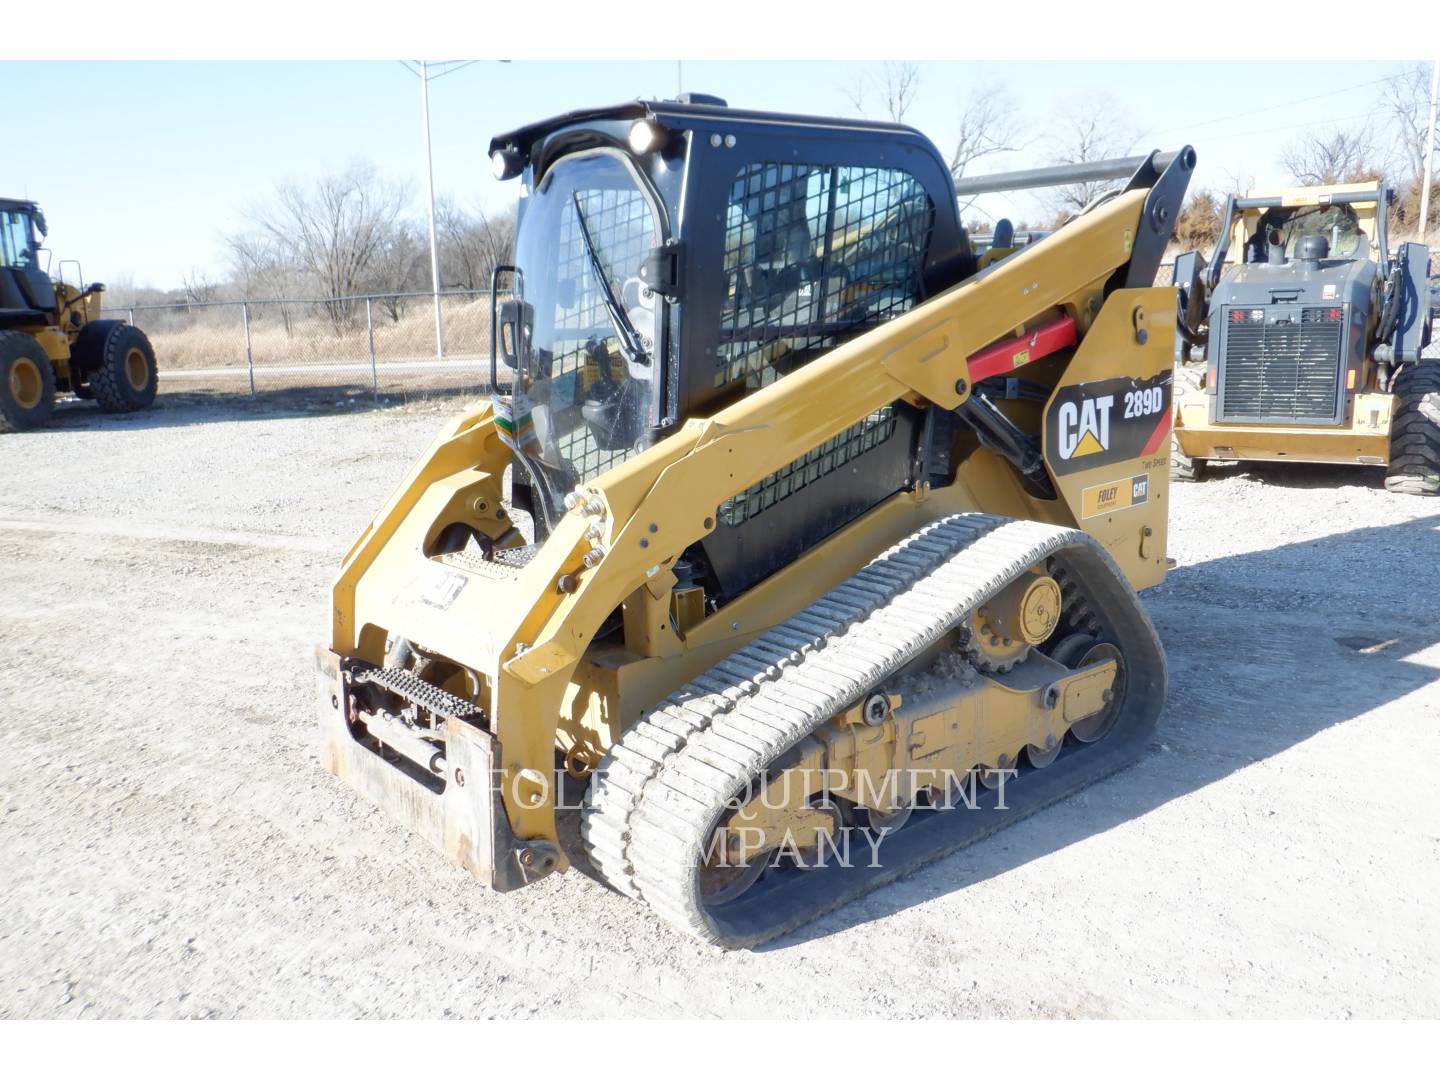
(746, 243)
(24, 285)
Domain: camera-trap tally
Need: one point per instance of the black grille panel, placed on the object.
(1282, 370)
(825, 458)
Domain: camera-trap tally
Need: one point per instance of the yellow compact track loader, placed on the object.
(52, 337)
(1310, 346)
(800, 552)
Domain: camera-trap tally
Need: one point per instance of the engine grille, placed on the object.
(1282, 371)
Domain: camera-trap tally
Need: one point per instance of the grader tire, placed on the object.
(27, 382)
(1415, 431)
(1182, 467)
(122, 365)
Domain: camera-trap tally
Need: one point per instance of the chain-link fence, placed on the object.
(384, 343)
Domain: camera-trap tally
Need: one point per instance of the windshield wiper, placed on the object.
(624, 329)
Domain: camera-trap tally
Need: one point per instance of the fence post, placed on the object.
(132, 316)
(249, 357)
(370, 332)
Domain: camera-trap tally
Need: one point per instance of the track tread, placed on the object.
(645, 837)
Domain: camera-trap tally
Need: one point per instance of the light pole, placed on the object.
(422, 68)
(1425, 173)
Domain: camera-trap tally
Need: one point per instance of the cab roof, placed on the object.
(709, 112)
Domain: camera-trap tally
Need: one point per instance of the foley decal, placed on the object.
(1116, 495)
(1094, 424)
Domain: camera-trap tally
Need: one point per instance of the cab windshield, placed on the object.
(1339, 225)
(17, 240)
(583, 325)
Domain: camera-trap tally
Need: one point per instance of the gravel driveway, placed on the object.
(170, 846)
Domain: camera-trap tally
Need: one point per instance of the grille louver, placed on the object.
(1283, 370)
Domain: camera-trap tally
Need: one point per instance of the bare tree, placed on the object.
(1342, 155)
(198, 287)
(335, 230)
(895, 88)
(989, 124)
(474, 243)
(1238, 182)
(260, 271)
(401, 265)
(1406, 100)
(1092, 128)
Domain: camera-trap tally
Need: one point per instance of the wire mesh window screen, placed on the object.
(825, 458)
(622, 229)
(815, 254)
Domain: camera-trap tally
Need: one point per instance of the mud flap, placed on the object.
(460, 813)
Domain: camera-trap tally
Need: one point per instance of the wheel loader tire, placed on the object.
(121, 363)
(1182, 467)
(27, 382)
(1415, 431)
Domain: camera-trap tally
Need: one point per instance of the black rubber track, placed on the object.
(1415, 431)
(664, 786)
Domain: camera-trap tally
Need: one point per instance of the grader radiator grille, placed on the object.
(1282, 371)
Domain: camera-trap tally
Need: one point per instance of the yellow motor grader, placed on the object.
(801, 550)
(52, 337)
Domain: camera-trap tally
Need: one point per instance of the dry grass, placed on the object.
(214, 337)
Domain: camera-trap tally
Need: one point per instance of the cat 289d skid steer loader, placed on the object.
(833, 538)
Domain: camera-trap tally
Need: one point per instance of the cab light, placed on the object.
(645, 136)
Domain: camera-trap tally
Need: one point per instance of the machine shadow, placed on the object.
(1299, 475)
(1233, 615)
(183, 409)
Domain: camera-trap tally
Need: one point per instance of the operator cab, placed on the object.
(25, 289)
(673, 256)
(1282, 229)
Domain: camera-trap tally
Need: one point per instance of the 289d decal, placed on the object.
(1093, 424)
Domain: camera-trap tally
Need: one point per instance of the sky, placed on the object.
(161, 159)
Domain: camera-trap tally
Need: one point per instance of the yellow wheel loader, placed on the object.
(52, 338)
(1310, 346)
(800, 552)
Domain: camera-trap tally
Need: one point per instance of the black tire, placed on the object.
(1415, 431)
(121, 365)
(27, 382)
(1183, 468)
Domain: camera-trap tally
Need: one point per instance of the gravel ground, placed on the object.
(171, 847)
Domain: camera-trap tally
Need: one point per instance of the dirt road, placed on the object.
(170, 847)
